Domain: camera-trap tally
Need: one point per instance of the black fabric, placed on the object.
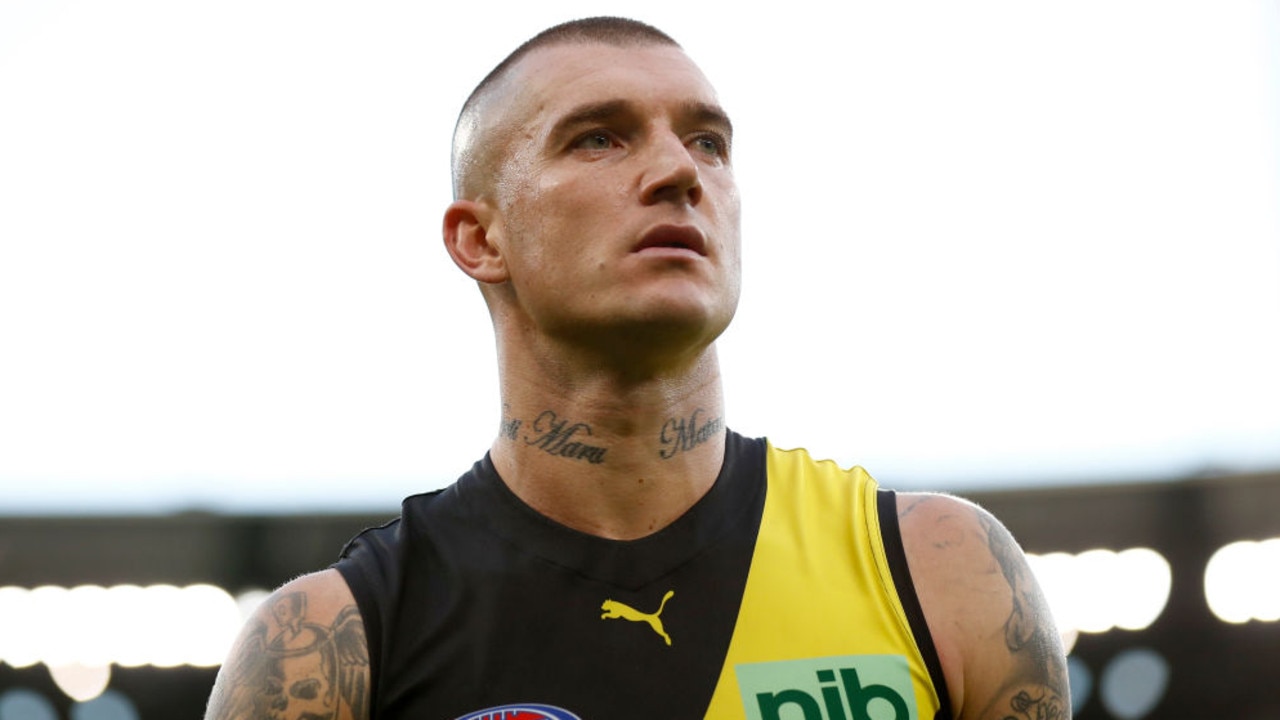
(473, 600)
(891, 534)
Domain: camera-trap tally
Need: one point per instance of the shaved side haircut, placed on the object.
(468, 161)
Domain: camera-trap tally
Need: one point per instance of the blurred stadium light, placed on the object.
(1242, 581)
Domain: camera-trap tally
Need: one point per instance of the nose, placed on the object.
(671, 174)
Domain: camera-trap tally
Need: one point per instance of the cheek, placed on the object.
(730, 224)
(729, 219)
(731, 202)
(552, 223)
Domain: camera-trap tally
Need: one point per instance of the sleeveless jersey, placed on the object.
(782, 594)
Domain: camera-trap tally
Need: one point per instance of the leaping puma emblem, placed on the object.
(614, 609)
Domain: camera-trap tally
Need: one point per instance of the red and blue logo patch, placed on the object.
(522, 712)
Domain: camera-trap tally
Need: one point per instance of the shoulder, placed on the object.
(304, 644)
(996, 639)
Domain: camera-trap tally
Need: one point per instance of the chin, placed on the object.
(661, 322)
(687, 307)
(672, 327)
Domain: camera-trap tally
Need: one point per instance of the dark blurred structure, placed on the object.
(1216, 669)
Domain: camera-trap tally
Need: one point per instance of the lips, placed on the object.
(676, 237)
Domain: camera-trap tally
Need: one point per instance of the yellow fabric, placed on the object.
(819, 584)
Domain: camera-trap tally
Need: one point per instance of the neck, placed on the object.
(609, 453)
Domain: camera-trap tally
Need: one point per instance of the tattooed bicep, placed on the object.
(1032, 702)
(1035, 683)
(988, 616)
(297, 659)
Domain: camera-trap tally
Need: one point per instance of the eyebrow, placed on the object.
(702, 113)
(589, 113)
(709, 114)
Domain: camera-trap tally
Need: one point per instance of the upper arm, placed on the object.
(301, 656)
(999, 648)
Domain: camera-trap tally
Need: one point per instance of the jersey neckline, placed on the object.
(629, 564)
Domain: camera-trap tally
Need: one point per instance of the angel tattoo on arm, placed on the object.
(305, 671)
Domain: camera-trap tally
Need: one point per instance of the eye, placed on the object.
(308, 689)
(594, 140)
(711, 144)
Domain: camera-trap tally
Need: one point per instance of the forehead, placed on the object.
(553, 80)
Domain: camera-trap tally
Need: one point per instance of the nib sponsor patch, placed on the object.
(848, 687)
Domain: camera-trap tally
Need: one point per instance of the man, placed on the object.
(619, 552)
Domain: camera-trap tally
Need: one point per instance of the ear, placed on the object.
(466, 237)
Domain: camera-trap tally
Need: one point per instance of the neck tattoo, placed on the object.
(683, 434)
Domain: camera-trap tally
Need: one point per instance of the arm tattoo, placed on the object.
(1029, 635)
(1033, 685)
(683, 434)
(1044, 705)
(908, 505)
(1020, 629)
(305, 671)
(557, 437)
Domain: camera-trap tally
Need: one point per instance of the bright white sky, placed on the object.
(986, 243)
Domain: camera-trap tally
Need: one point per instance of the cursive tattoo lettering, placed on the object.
(509, 428)
(683, 434)
(1044, 704)
(557, 437)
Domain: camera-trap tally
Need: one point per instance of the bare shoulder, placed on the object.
(996, 639)
(302, 654)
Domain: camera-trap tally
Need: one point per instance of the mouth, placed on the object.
(673, 237)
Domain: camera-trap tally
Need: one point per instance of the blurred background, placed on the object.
(1028, 253)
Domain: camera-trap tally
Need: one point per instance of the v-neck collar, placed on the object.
(630, 564)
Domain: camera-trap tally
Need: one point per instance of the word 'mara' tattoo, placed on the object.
(683, 434)
(558, 437)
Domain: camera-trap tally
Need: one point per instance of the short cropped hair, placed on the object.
(615, 31)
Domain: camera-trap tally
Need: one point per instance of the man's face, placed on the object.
(615, 202)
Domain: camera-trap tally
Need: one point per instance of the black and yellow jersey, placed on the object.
(783, 594)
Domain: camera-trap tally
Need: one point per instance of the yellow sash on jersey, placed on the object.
(820, 614)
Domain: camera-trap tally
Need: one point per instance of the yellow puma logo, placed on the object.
(614, 609)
